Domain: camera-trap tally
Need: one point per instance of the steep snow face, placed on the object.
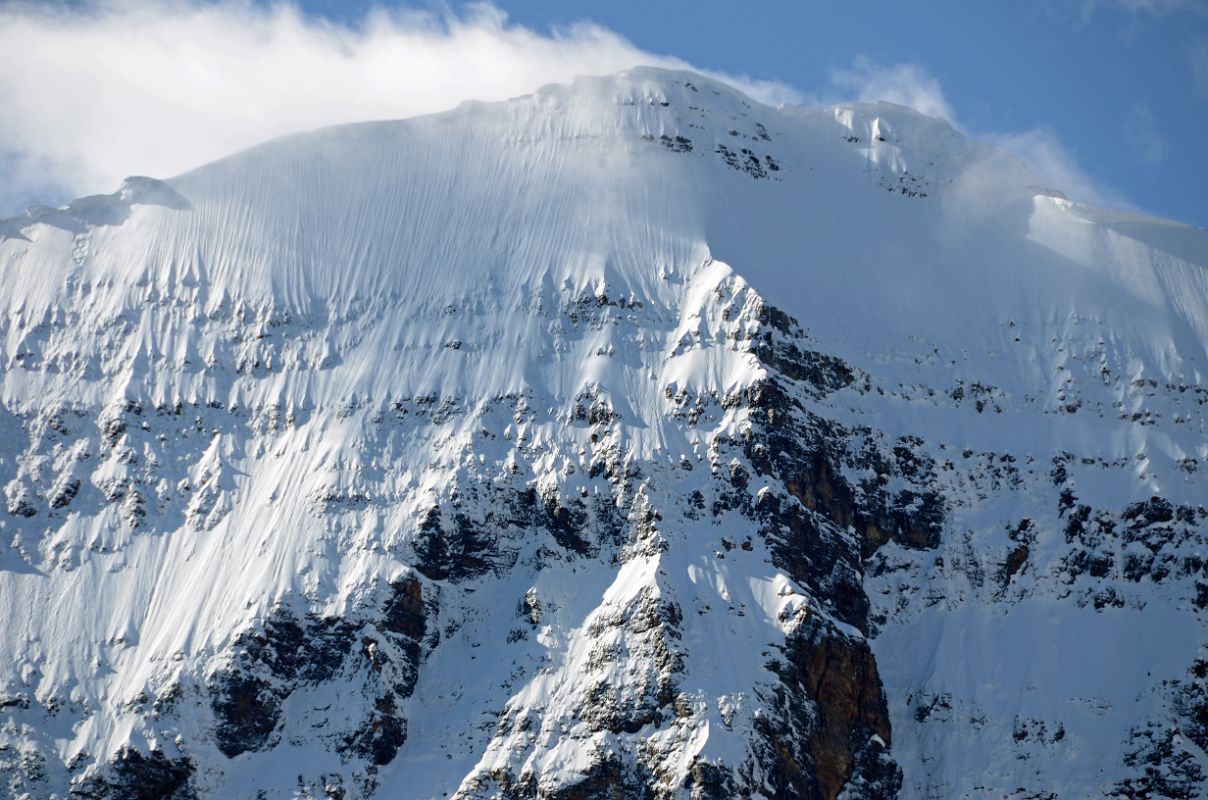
(627, 434)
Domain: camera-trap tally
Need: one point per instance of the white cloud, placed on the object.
(92, 93)
(904, 84)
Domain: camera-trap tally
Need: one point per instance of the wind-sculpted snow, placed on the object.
(626, 439)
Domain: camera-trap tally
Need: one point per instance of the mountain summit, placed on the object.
(627, 439)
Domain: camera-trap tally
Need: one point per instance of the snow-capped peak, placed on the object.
(627, 434)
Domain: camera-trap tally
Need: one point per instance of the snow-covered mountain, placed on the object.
(628, 439)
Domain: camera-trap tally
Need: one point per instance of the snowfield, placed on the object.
(629, 438)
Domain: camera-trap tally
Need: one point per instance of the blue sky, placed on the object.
(1107, 98)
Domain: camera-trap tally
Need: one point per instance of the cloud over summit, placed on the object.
(92, 93)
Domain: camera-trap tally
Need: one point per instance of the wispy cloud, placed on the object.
(1040, 148)
(1047, 156)
(1197, 55)
(904, 84)
(97, 91)
(1155, 7)
(1141, 134)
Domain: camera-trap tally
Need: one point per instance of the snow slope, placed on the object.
(545, 446)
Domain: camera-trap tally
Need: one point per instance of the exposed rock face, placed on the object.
(383, 650)
(825, 728)
(267, 662)
(776, 483)
(833, 733)
(840, 677)
(134, 776)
